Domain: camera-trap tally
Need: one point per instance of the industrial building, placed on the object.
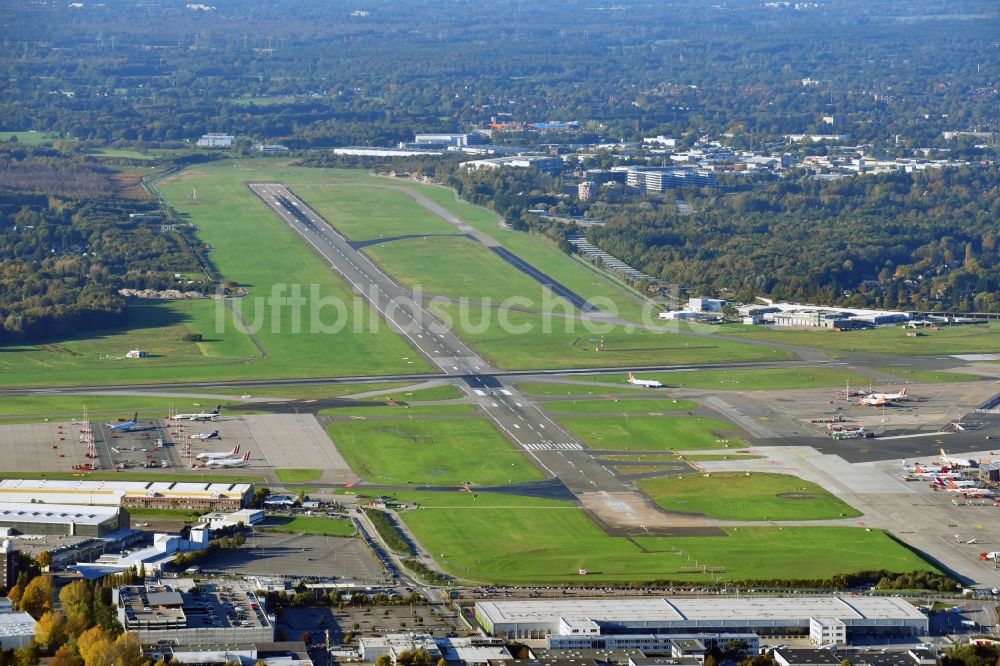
(65, 519)
(816, 617)
(649, 643)
(16, 628)
(544, 164)
(660, 179)
(208, 614)
(391, 645)
(216, 141)
(148, 561)
(147, 494)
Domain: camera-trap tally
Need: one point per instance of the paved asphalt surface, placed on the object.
(555, 451)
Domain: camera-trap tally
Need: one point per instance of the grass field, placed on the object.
(28, 138)
(604, 406)
(298, 475)
(737, 496)
(928, 376)
(186, 515)
(652, 433)
(520, 341)
(337, 527)
(432, 451)
(762, 379)
(542, 389)
(949, 340)
(366, 213)
(605, 291)
(459, 268)
(399, 411)
(504, 539)
(53, 407)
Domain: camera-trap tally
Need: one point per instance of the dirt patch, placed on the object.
(798, 496)
(633, 514)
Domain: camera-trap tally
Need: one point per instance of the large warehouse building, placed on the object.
(62, 519)
(824, 619)
(148, 494)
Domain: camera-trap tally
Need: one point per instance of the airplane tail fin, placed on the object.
(218, 409)
(235, 450)
(943, 454)
(630, 376)
(246, 457)
(903, 392)
(135, 417)
(951, 484)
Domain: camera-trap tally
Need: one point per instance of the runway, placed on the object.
(551, 448)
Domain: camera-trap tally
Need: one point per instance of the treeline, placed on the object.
(919, 241)
(64, 258)
(897, 74)
(82, 630)
(388, 531)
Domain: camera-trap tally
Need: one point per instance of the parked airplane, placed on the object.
(207, 435)
(125, 426)
(925, 473)
(202, 416)
(219, 455)
(994, 555)
(230, 462)
(644, 383)
(880, 399)
(956, 462)
(953, 486)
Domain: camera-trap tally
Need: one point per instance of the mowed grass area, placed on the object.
(398, 411)
(606, 406)
(298, 475)
(496, 538)
(928, 376)
(606, 292)
(29, 138)
(653, 433)
(337, 527)
(242, 231)
(521, 341)
(980, 338)
(366, 213)
(738, 496)
(437, 451)
(762, 379)
(543, 389)
(458, 268)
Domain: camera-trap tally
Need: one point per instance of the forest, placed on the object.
(66, 247)
(313, 74)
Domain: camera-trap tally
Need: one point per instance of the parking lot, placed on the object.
(302, 556)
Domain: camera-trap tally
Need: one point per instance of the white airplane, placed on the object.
(219, 455)
(230, 462)
(644, 383)
(994, 555)
(125, 425)
(207, 435)
(924, 473)
(956, 462)
(879, 399)
(953, 486)
(202, 416)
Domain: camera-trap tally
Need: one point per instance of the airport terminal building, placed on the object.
(595, 622)
(147, 494)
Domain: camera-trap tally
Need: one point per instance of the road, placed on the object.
(610, 498)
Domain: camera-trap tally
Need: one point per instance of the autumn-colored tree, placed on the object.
(44, 559)
(128, 651)
(15, 595)
(77, 600)
(51, 629)
(37, 597)
(65, 656)
(89, 639)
